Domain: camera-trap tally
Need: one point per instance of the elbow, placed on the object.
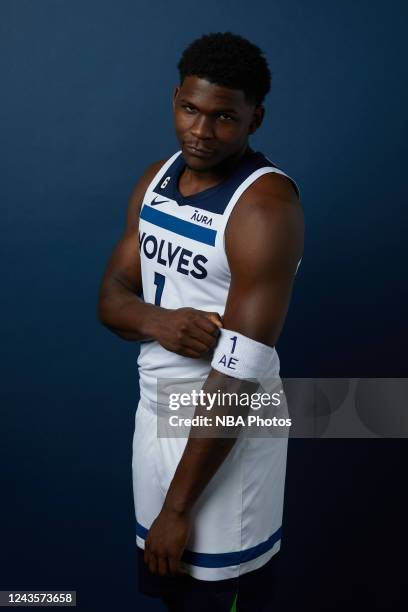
(102, 311)
(103, 315)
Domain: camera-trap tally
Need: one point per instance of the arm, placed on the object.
(120, 308)
(186, 331)
(262, 275)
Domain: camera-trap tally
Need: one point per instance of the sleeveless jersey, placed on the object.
(183, 258)
(237, 520)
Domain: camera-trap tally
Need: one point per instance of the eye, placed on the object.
(225, 117)
(188, 108)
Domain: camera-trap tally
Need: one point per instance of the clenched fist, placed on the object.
(188, 331)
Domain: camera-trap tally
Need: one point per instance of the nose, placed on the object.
(202, 127)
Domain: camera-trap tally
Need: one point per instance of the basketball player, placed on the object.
(213, 240)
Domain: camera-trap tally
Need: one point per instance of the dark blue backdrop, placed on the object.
(85, 107)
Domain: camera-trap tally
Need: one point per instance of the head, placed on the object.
(218, 104)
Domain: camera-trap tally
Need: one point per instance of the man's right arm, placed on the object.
(120, 307)
(185, 331)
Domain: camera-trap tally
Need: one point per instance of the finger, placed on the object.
(152, 563)
(206, 338)
(146, 556)
(195, 345)
(215, 318)
(162, 566)
(207, 324)
(189, 353)
(175, 568)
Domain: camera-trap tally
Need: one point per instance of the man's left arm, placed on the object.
(264, 244)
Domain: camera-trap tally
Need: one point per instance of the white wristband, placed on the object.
(241, 357)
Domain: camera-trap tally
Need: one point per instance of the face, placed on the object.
(212, 122)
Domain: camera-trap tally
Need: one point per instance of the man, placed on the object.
(214, 237)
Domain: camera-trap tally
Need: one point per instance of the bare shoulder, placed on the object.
(139, 189)
(271, 190)
(266, 223)
(269, 201)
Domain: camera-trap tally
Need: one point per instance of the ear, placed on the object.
(175, 94)
(257, 118)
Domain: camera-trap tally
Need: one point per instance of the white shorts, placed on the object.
(237, 520)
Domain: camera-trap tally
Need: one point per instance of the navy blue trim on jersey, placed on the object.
(178, 226)
(223, 559)
(256, 588)
(214, 199)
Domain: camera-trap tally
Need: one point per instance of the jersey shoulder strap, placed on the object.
(259, 166)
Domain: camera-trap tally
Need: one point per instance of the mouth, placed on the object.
(198, 151)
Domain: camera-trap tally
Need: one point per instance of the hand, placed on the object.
(188, 331)
(166, 541)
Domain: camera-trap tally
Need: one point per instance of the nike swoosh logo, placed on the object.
(154, 203)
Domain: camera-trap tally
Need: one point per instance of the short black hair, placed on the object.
(228, 60)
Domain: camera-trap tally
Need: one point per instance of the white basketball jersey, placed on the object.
(183, 258)
(237, 520)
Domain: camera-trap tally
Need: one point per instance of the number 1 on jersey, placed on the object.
(159, 281)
